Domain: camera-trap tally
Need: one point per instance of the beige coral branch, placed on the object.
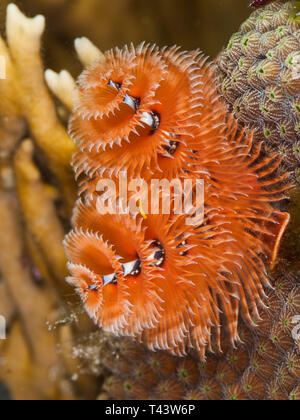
(12, 124)
(87, 51)
(24, 40)
(63, 86)
(31, 230)
(9, 89)
(7, 307)
(34, 305)
(40, 215)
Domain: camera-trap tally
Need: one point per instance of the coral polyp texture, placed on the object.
(259, 73)
(266, 366)
(156, 114)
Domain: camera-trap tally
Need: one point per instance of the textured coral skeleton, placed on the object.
(259, 77)
(265, 365)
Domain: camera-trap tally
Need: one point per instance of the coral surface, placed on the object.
(266, 366)
(260, 78)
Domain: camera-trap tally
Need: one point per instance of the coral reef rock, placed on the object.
(266, 366)
(259, 74)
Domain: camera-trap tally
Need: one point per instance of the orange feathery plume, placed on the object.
(156, 114)
(143, 109)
